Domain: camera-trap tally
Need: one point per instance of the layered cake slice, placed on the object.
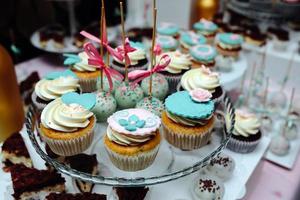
(28, 182)
(84, 163)
(14, 151)
(80, 196)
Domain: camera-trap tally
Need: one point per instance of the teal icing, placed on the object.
(200, 26)
(226, 38)
(137, 45)
(71, 59)
(169, 29)
(203, 52)
(181, 104)
(86, 100)
(167, 42)
(55, 75)
(132, 123)
(188, 39)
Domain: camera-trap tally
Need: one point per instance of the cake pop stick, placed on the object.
(250, 83)
(123, 41)
(266, 92)
(153, 56)
(288, 71)
(101, 45)
(289, 110)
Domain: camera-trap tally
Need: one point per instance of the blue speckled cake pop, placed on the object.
(151, 104)
(160, 86)
(127, 96)
(105, 106)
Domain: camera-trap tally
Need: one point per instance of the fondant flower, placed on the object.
(235, 37)
(200, 95)
(208, 72)
(206, 23)
(244, 114)
(133, 123)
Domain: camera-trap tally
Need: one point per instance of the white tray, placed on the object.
(174, 190)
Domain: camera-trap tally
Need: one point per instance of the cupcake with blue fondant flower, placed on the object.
(132, 139)
(203, 54)
(229, 44)
(206, 28)
(168, 29)
(167, 43)
(189, 39)
(188, 119)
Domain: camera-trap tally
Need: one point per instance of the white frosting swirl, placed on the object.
(126, 140)
(52, 89)
(178, 62)
(135, 57)
(83, 65)
(228, 46)
(246, 124)
(65, 118)
(199, 78)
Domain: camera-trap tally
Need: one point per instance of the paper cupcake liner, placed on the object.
(133, 163)
(187, 141)
(173, 82)
(88, 85)
(70, 147)
(37, 105)
(241, 146)
(122, 69)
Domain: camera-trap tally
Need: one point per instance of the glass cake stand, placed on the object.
(168, 165)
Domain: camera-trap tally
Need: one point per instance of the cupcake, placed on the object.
(53, 86)
(179, 64)
(229, 44)
(168, 29)
(67, 124)
(160, 86)
(206, 28)
(105, 106)
(127, 95)
(86, 73)
(189, 39)
(221, 166)
(138, 60)
(167, 43)
(203, 55)
(254, 37)
(188, 119)
(151, 104)
(207, 188)
(246, 134)
(132, 139)
(202, 78)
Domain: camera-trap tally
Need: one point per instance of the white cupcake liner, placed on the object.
(242, 146)
(88, 84)
(70, 147)
(130, 69)
(133, 163)
(186, 141)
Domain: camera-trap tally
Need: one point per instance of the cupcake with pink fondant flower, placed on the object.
(132, 139)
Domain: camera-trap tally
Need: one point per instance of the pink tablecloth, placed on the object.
(269, 182)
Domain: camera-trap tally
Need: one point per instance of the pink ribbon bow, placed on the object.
(139, 75)
(123, 50)
(111, 50)
(96, 60)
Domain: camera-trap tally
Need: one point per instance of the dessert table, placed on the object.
(266, 182)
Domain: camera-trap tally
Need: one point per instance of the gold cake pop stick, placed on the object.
(123, 40)
(153, 56)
